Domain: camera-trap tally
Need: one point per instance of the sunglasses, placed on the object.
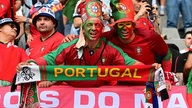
(12, 25)
(124, 24)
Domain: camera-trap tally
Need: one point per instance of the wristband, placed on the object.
(27, 20)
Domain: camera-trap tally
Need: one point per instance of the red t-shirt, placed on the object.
(5, 8)
(144, 23)
(10, 57)
(39, 48)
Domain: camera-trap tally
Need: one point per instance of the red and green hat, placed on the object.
(122, 10)
(91, 9)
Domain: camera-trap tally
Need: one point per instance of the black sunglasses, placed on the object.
(12, 25)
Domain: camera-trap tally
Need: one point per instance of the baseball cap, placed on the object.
(46, 12)
(9, 20)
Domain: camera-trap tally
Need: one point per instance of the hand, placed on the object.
(144, 8)
(106, 16)
(69, 38)
(19, 66)
(168, 85)
(20, 19)
(45, 84)
(29, 39)
(156, 65)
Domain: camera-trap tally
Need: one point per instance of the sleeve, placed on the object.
(157, 44)
(24, 56)
(190, 49)
(179, 64)
(76, 14)
(57, 56)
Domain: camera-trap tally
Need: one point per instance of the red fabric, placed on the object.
(5, 8)
(144, 23)
(189, 99)
(10, 57)
(39, 48)
(144, 46)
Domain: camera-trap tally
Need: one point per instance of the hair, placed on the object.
(188, 32)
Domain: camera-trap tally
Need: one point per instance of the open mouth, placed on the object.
(93, 33)
(124, 33)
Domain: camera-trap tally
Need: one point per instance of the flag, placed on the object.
(69, 8)
(136, 73)
(189, 90)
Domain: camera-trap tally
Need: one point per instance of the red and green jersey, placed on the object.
(39, 48)
(144, 46)
(144, 23)
(106, 53)
(10, 57)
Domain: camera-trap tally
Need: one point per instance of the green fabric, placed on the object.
(50, 58)
(69, 8)
(115, 12)
(168, 55)
(189, 83)
(4, 83)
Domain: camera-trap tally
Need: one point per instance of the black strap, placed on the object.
(27, 6)
(12, 9)
(14, 86)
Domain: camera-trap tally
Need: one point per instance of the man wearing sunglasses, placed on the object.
(10, 54)
(139, 43)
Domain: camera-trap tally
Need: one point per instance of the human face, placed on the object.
(137, 5)
(45, 24)
(92, 29)
(125, 30)
(188, 39)
(9, 30)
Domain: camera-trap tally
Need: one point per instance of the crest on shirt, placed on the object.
(103, 60)
(2, 6)
(42, 49)
(138, 50)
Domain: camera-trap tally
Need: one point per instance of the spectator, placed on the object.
(188, 65)
(187, 40)
(89, 49)
(146, 15)
(174, 8)
(141, 44)
(10, 54)
(49, 40)
(31, 31)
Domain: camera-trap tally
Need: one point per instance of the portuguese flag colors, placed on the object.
(189, 90)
